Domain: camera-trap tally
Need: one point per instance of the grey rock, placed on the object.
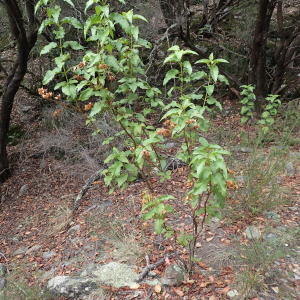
(272, 215)
(295, 155)
(173, 276)
(297, 277)
(246, 150)
(48, 254)
(3, 270)
(34, 249)
(2, 283)
(237, 148)
(270, 237)
(252, 233)
(23, 189)
(280, 147)
(115, 274)
(26, 108)
(231, 294)
(161, 54)
(48, 274)
(74, 229)
(290, 169)
(170, 145)
(16, 239)
(293, 208)
(71, 286)
(20, 251)
(20, 226)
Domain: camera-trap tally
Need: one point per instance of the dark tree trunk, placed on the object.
(18, 71)
(257, 66)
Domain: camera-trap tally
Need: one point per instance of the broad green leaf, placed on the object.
(50, 75)
(122, 178)
(139, 17)
(37, 6)
(187, 65)
(203, 61)
(135, 32)
(94, 19)
(158, 224)
(170, 75)
(214, 71)
(55, 13)
(210, 89)
(86, 94)
(121, 20)
(73, 44)
(112, 62)
(69, 2)
(48, 48)
(44, 24)
(71, 20)
(149, 214)
(244, 120)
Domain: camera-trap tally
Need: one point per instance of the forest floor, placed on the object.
(54, 157)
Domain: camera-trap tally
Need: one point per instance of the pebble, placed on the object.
(290, 169)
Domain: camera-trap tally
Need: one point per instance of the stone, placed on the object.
(116, 275)
(161, 54)
(3, 270)
(270, 237)
(246, 149)
(297, 277)
(290, 169)
(74, 229)
(48, 254)
(20, 251)
(237, 148)
(295, 155)
(293, 208)
(272, 215)
(2, 283)
(280, 147)
(71, 286)
(34, 249)
(170, 145)
(23, 189)
(231, 294)
(252, 233)
(16, 239)
(48, 274)
(173, 276)
(26, 108)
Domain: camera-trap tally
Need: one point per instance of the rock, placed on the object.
(2, 283)
(71, 286)
(116, 275)
(272, 215)
(293, 208)
(15, 239)
(48, 254)
(170, 145)
(280, 147)
(20, 251)
(237, 148)
(231, 294)
(252, 233)
(297, 277)
(34, 249)
(161, 54)
(3, 270)
(246, 150)
(290, 169)
(270, 237)
(48, 274)
(295, 155)
(23, 189)
(26, 108)
(173, 276)
(74, 229)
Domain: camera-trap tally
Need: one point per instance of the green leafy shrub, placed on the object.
(112, 76)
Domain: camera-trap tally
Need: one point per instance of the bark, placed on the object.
(17, 72)
(257, 65)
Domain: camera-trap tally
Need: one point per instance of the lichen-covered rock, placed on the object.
(173, 276)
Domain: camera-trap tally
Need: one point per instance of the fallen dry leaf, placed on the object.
(157, 288)
(203, 265)
(225, 290)
(198, 245)
(135, 286)
(210, 239)
(179, 292)
(275, 289)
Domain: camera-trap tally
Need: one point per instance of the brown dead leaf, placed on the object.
(275, 289)
(135, 286)
(157, 288)
(178, 292)
(203, 265)
(231, 185)
(205, 284)
(230, 171)
(210, 239)
(225, 290)
(198, 245)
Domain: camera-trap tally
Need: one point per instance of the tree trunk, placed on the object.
(257, 66)
(17, 73)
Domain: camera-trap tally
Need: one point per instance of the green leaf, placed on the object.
(222, 78)
(187, 65)
(112, 62)
(94, 19)
(55, 13)
(122, 178)
(198, 75)
(121, 20)
(48, 48)
(38, 5)
(220, 60)
(149, 214)
(158, 224)
(86, 94)
(139, 17)
(203, 61)
(214, 71)
(73, 44)
(244, 109)
(244, 120)
(50, 75)
(71, 20)
(135, 32)
(171, 74)
(210, 89)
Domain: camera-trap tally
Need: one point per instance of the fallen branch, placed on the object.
(152, 267)
(95, 177)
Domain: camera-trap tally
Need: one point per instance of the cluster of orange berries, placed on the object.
(78, 77)
(56, 112)
(192, 121)
(102, 66)
(46, 95)
(146, 152)
(88, 106)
